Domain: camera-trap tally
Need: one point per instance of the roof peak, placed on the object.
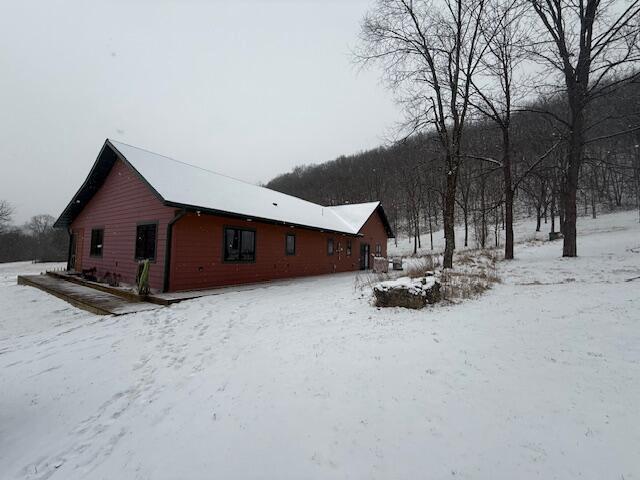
(115, 142)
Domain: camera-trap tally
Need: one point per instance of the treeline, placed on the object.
(36, 241)
(408, 177)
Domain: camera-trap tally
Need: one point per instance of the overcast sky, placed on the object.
(246, 88)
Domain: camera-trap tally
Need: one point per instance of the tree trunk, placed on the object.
(466, 228)
(496, 224)
(637, 171)
(570, 191)
(508, 197)
(449, 220)
(483, 217)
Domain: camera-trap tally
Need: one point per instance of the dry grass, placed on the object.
(423, 265)
(474, 273)
(367, 280)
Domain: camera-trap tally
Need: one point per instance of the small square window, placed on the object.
(146, 241)
(97, 241)
(330, 246)
(290, 244)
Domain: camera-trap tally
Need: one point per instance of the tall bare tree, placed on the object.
(429, 52)
(505, 36)
(593, 46)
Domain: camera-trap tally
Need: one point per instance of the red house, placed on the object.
(200, 229)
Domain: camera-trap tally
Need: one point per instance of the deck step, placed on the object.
(119, 292)
(84, 297)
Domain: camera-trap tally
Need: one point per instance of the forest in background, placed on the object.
(36, 240)
(523, 88)
(407, 175)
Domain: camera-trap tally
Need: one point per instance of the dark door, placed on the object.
(75, 251)
(364, 256)
(72, 252)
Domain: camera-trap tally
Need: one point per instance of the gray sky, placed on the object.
(245, 88)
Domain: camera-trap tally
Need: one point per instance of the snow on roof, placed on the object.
(181, 183)
(356, 214)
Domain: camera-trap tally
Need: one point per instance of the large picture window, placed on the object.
(97, 239)
(290, 244)
(239, 245)
(146, 241)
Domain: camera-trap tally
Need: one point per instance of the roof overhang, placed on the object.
(99, 171)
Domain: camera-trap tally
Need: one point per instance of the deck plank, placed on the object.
(86, 298)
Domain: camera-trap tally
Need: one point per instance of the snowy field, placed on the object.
(523, 231)
(538, 378)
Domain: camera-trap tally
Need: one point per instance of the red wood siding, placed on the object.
(197, 252)
(122, 202)
(373, 233)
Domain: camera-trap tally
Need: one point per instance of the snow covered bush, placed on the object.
(407, 292)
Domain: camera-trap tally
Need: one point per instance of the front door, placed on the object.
(72, 252)
(75, 260)
(364, 256)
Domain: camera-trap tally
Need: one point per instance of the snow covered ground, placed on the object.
(523, 230)
(538, 378)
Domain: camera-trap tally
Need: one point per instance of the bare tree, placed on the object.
(6, 211)
(40, 225)
(429, 53)
(593, 45)
(504, 34)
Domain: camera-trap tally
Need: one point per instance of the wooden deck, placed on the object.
(126, 293)
(85, 297)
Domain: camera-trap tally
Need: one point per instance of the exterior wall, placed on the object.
(373, 233)
(122, 202)
(197, 252)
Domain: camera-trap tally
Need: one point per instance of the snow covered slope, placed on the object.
(539, 378)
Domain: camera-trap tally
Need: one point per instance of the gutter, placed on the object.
(167, 248)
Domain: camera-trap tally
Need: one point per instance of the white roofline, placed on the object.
(180, 183)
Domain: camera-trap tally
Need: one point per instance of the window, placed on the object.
(330, 246)
(239, 245)
(378, 249)
(348, 247)
(290, 244)
(146, 241)
(97, 236)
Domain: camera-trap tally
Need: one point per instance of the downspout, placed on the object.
(70, 233)
(167, 249)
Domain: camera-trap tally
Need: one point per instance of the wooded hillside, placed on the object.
(407, 176)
